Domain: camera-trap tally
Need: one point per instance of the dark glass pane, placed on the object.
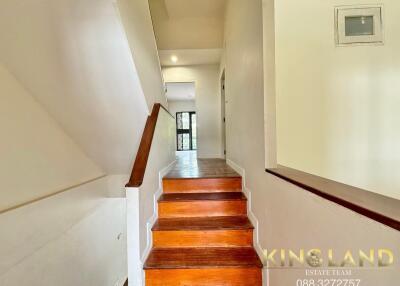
(359, 25)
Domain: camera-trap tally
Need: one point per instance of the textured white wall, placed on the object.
(337, 107)
(74, 238)
(288, 216)
(208, 104)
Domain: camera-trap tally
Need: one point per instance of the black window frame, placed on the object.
(185, 131)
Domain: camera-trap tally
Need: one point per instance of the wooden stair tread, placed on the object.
(187, 197)
(203, 223)
(195, 258)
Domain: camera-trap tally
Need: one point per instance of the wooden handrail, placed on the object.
(380, 208)
(139, 167)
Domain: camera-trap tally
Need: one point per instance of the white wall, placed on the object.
(287, 216)
(208, 104)
(70, 238)
(337, 113)
(139, 30)
(142, 202)
(37, 157)
(162, 154)
(74, 58)
(77, 237)
(181, 105)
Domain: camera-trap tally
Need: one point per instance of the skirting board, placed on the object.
(251, 215)
(150, 222)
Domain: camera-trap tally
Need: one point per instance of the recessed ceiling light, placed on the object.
(174, 59)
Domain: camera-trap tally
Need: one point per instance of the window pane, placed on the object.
(194, 132)
(185, 120)
(186, 142)
(359, 25)
(180, 142)
(179, 120)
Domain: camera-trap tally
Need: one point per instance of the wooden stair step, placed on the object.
(202, 205)
(203, 223)
(196, 258)
(200, 185)
(187, 197)
(203, 232)
(204, 277)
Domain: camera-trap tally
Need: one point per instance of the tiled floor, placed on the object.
(188, 166)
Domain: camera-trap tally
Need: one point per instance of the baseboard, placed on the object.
(150, 222)
(211, 156)
(250, 212)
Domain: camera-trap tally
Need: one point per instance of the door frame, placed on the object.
(223, 114)
(190, 130)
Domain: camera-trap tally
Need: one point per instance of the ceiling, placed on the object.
(190, 57)
(196, 25)
(180, 91)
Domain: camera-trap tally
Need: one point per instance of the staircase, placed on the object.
(203, 235)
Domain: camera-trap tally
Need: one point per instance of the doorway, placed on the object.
(223, 115)
(182, 105)
(186, 133)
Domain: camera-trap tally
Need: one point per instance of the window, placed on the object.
(186, 132)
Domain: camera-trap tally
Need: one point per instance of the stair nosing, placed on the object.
(256, 263)
(163, 200)
(202, 228)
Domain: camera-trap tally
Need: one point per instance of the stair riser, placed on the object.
(201, 209)
(205, 277)
(193, 238)
(202, 185)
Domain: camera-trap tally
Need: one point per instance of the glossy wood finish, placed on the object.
(195, 258)
(203, 238)
(201, 208)
(201, 185)
(188, 166)
(189, 197)
(204, 277)
(202, 205)
(374, 206)
(203, 223)
(142, 155)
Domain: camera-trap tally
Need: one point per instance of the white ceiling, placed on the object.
(189, 25)
(180, 91)
(190, 57)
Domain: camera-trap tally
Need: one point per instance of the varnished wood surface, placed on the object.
(202, 208)
(204, 277)
(142, 155)
(188, 166)
(374, 206)
(203, 238)
(208, 257)
(203, 223)
(203, 185)
(188, 197)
